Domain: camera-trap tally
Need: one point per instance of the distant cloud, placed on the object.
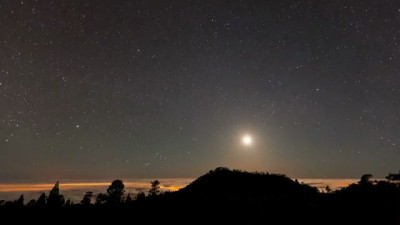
(334, 184)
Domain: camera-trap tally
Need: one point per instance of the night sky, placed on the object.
(111, 89)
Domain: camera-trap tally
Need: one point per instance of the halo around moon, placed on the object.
(247, 140)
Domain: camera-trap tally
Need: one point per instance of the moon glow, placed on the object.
(247, 140)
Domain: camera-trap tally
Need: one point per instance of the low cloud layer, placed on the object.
(74, 190)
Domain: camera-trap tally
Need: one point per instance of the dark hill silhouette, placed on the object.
(238, 197)
(225, 184)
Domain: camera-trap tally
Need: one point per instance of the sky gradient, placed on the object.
(110, 89)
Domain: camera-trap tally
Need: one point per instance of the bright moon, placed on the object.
(247, 140)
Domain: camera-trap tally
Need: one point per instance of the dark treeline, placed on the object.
(224, 196)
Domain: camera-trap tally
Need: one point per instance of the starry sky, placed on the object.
(111, 89)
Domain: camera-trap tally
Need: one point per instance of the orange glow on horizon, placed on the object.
(166, 185)
(138, 185)
(39, 187)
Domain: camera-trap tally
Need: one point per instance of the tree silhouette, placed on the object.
(20, 201)
(140, 196)
(31, 203)
(87, 198)
(55, 199)
(115, 192)
(365, 179)
(101, 199)
(128, 198)
(392, 177)
(328, 189)
(155, 188)
(68, 203)
(42, 200)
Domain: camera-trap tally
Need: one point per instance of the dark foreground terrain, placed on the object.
(221, 196)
